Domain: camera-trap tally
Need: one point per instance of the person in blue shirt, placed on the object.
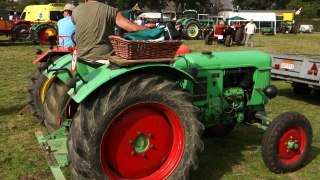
(66, 28)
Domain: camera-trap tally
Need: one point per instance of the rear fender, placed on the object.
(38, 26)
(44, 56)
(103, 75)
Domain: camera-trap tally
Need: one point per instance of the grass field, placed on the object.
(236, 156)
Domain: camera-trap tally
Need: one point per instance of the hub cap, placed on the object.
(144, 141)
(291, 145)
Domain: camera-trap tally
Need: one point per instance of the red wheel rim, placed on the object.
(43, 38)
(144, 141)
(292, 144)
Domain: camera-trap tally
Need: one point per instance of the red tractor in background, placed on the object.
(229, 35)
(16, 29)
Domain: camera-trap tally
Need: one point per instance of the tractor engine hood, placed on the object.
(224, 60)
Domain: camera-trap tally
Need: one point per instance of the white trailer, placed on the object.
(302, 71)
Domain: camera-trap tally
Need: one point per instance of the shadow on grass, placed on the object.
(18, 43)
(312, 98)
(315, 151)
(10, 110)
(221, 155)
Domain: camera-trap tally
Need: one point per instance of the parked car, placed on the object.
(306, 28)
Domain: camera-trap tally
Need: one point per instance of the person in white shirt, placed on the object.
(250, 28)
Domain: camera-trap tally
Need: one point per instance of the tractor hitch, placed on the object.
(54, 147)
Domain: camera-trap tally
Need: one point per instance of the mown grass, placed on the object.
(236, 156)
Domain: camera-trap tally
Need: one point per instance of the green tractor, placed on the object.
(38, 32)
(132, 119)
(191, 24)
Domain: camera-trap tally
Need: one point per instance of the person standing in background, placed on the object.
(250, 29)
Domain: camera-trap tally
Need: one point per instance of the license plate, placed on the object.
(287, 64)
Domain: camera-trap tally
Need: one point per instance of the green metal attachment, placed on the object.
(55, 149)
(292, 145)
(141, 143)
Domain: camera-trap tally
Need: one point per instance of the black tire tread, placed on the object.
(55, 101)
(208, 40)
(229, 40)
(34, 101)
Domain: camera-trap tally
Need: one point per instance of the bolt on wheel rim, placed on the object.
(144, 141)
(291, 145)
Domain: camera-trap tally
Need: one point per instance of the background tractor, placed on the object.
(191, 23)
(229, 35)
(112, 117)
(33, 23)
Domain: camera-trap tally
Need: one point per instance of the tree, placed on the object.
(310, 9)
(254, 4)
(3, 5)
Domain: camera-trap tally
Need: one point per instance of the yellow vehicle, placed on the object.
(43, 13)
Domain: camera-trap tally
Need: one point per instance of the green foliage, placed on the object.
(3, 5)
(254, 4)
(189, 4)
(310, 8)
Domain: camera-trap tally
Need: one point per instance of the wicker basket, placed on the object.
(144, 49)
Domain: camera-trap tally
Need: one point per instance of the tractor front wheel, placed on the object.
(287, 142)
(139, 127)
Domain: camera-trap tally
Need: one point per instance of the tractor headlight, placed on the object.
(270, 91)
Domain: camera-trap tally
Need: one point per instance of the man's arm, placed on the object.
(122, 22)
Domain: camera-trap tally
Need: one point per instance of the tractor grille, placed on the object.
(200, 89)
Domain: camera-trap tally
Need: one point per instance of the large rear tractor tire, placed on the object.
(34, 92)
(54, 105)
(22, 32)
(287, 142)
(139, 127)
(192, 30)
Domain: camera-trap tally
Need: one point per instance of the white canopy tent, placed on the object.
(258, 18)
